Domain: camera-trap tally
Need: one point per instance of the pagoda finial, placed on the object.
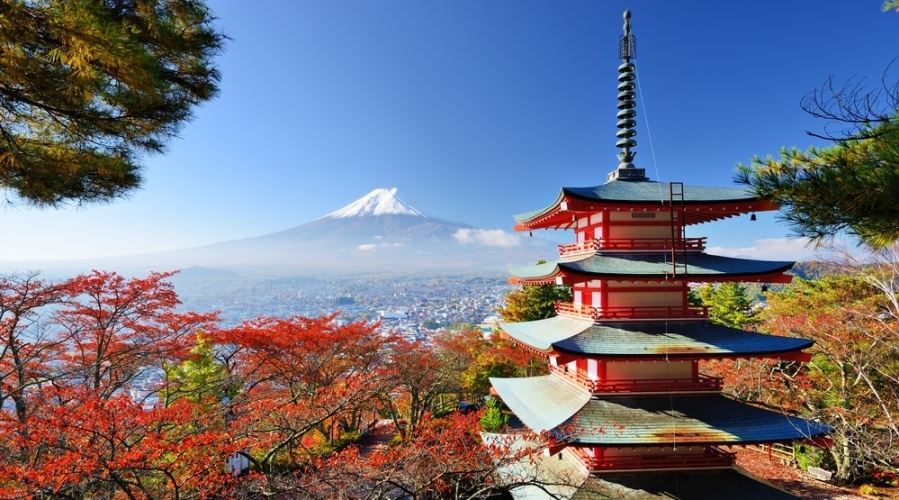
(627, 46)
(627, 52)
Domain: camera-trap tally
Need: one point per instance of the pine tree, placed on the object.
(87, 87)
(849, 186)
(198, 377)
(729, 304)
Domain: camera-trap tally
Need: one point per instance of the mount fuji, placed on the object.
(378, 234)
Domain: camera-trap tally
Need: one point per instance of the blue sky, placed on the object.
(474, 110)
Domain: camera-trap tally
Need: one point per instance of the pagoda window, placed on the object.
(593, 369)
(649, 298)
(578, 297)
(663, 370)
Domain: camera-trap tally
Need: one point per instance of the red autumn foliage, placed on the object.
(115, 326)
(78, 417)
(79, 444)
(299, 375)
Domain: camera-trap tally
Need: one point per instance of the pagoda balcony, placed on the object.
(712, 457)
(702, 383)
(632, 245)
(631, 312)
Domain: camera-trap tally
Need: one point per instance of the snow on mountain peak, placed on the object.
(381, 201)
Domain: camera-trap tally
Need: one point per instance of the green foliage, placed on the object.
(396, 440)
(729, 304)
(87, 87)
(891, 5)
(199, 377)
(533, 302)
(812, 456)
(493, 420)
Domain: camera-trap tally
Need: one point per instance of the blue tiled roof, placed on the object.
(706, 419)
(647, 338)
(699, 265)
(541, 402)
(643, 192)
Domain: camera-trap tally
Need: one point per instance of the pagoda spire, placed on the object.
(627, 104)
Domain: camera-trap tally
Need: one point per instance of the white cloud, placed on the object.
(775, 249)
(372, 247)
(487, 237)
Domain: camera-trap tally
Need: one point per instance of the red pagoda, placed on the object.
(626, 395)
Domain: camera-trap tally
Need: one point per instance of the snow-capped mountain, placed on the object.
(376, 234)
(381, 201)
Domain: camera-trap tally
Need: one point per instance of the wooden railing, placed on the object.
(632, 312)
(703, 383)
(635, 244)
(712, 457)
(574, 376)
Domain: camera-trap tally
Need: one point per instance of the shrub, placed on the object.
(812, 456)
(494, 420)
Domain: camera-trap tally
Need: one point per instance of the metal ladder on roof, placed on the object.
(678, 221)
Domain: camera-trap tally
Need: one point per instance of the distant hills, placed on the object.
(378, 234)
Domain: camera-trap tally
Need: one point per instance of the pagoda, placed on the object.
(626, 398)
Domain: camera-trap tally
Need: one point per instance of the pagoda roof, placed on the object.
(564, 476)
(643, 192)
(648, 338)
(651, 265)
(645, 419)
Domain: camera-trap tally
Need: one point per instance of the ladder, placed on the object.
(678, 220)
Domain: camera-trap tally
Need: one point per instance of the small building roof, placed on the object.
(651, 265)
(648, 338)
(667, 419)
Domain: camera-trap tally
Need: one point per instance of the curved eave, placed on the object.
(572, 202)
(629, 267)
(543, 334)
(573, 277)
(686, 340)
(561, 400)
